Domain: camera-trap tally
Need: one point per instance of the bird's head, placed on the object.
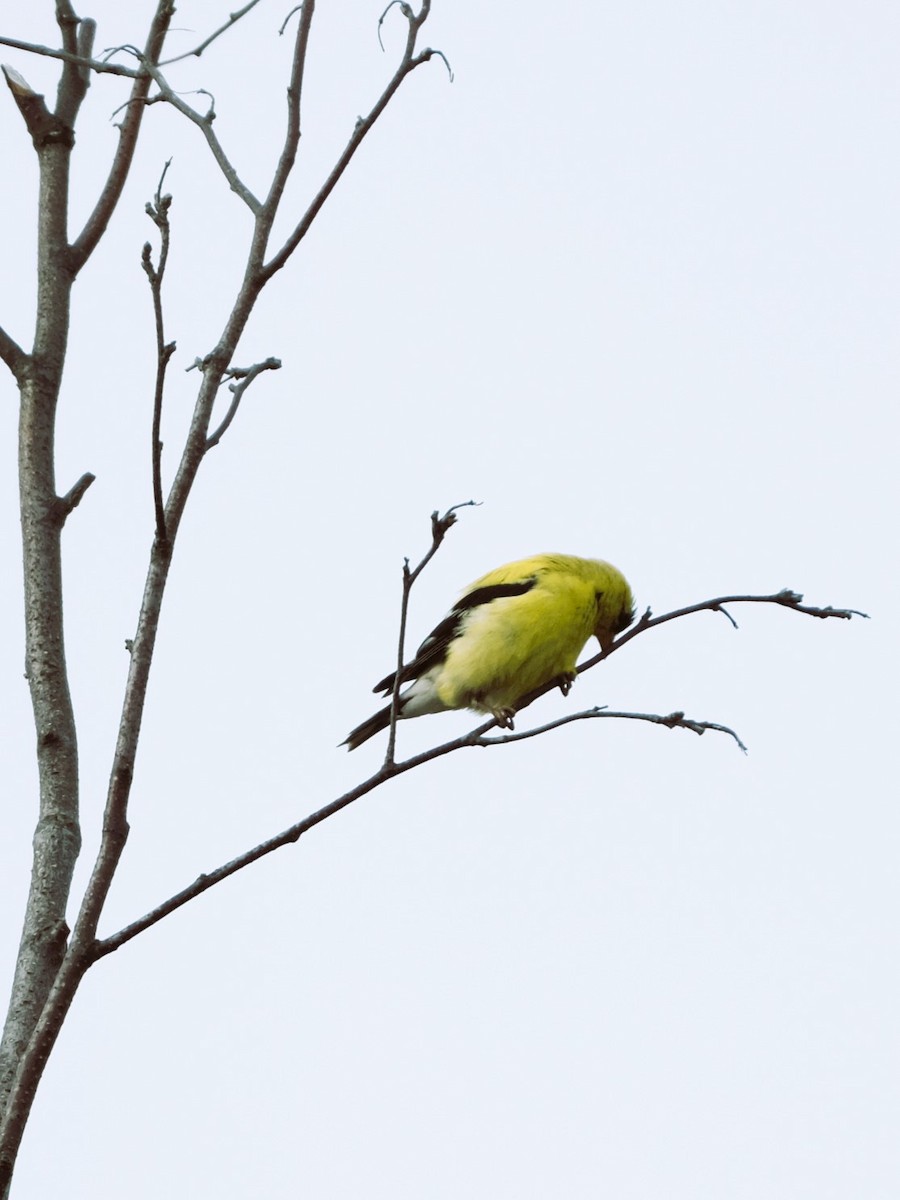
(615, 607)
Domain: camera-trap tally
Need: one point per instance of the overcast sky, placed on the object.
(630, 281)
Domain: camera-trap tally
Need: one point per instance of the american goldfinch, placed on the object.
(511, 631)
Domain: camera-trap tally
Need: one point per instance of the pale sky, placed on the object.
(631, 281)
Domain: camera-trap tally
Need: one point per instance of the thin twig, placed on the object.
(387, 771)
(440, 526)
(96, 224)
(205, 125)
(78, 60)
(158, 212)
(284, 24)
(408, 63)
(288, 155)
(204, 882)
(408, 577)
(246, 375)
(407, 13)
(417, 19)
(675, 720)
(198, 50)
(786, 598)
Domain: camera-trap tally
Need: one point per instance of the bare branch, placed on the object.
(786, 598)
(204, 882)
(440, 526)
(408, 63)
(44, 126)
(405, 8)
(284, 23)
(74, 495)
(675, 720)
(12, 354)
(205, 125)
(388, 770)
(158, 212)
(91, 64)
(429, 54)
(288, 836)
(41, 1001)
(35, 1054)
(475, 738)
(78, 40)
(96, 224)
(292, 131)
(246, 375)
(56, 842)
(198, 50)
(416, 19)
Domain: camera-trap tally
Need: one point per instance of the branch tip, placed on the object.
(17, 84)
(404, 8)
(725, 613)
(428, 54)
(74, 495)
(233, 18)
(439, 528)
(409, 61)
(675, 720)
(12, 353)
(245, 376)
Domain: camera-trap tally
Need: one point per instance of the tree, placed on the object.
(52, 962)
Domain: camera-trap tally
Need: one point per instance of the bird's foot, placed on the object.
(504, 717)
(565, 682)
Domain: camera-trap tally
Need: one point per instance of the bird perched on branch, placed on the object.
(512, 631)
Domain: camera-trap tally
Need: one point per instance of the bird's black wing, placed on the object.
(433, 650)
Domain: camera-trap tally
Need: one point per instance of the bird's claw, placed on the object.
(566, 681)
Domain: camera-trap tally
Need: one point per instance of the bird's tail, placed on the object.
(368, 729)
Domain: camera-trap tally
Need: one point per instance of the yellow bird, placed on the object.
(511, 631)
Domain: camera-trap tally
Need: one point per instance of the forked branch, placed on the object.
(244, 376)
(675, 720)
(96, 224)
(409, 61)
(233, 18)
(204, 122)
(477, 737)
(70, 957)
(440, 527)
(97, 65)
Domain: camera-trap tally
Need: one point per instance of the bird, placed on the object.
(513, 630)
